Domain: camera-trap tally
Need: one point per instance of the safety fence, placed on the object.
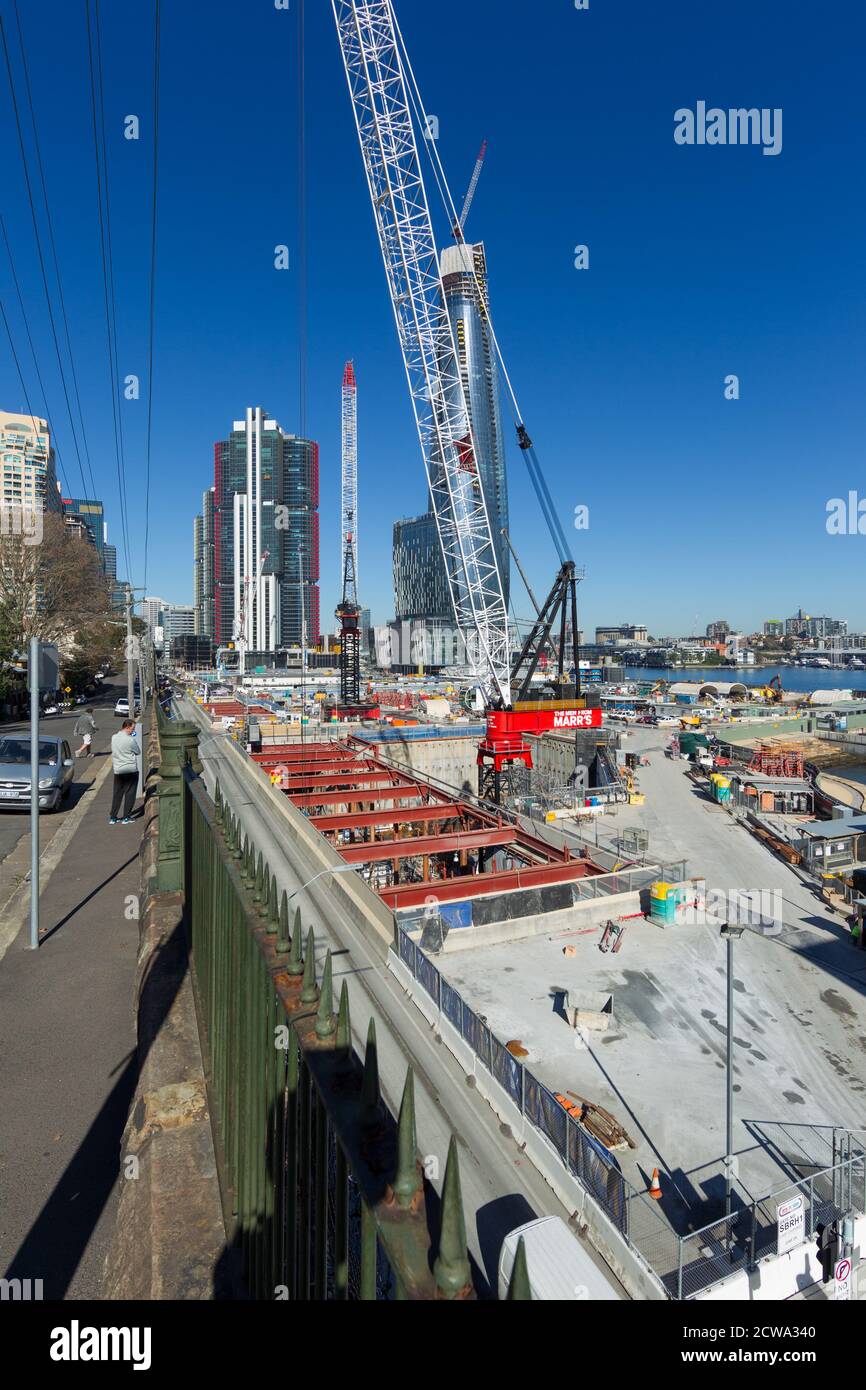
(738, 1241)
(685, 1265)
(585, 1159)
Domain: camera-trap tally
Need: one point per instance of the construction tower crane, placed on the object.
(470, 193)
(384, 94)
(349, 480)
(381, 106)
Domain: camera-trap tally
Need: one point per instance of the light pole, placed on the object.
(730, 934)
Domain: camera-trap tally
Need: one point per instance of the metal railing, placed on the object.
(584, 1158)
(322, 1186)
(738, 1242)
(684, 1264)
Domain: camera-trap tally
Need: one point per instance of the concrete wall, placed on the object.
(449, 760)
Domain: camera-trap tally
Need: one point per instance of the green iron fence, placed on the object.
(323, 1191)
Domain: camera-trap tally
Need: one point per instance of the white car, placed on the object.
(121, 709)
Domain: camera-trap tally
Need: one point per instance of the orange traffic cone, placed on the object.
(655, 1189)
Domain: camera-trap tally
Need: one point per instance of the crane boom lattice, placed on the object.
(380, 102)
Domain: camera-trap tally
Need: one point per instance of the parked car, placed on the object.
(50, 709)
(56, 773)
(121, 709)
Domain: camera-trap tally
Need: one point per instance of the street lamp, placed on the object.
(730, 934)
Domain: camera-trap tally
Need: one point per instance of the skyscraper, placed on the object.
(203, 577)
(464, 282)
(420, 581)
(27, 456)
(89, 513)
(265, 535)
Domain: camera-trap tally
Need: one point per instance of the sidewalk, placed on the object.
(67, 1050)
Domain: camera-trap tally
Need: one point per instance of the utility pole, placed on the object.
(130, 658)
(730, 935)
(34, 793)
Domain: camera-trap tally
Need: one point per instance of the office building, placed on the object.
(773, 627)
(109, 561)
(27, 463)
(624, 633)
(176, 620)
(87, 517)
(420, 582)
(718, 630)
(802, 625)
(265, 536)
(203, 576)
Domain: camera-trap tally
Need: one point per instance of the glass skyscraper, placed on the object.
(420, 581)
(265, 530)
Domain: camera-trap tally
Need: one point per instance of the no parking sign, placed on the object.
(842, 1276)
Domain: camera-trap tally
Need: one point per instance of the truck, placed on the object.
(560, 1269)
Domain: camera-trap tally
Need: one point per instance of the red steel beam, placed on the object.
(426, 844)
(474, 885)
(406, 791)
(361, 819)
(348, 779)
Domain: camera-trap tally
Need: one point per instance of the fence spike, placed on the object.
(344, 1033)
(237, 844)
(518, 1288)
(325, 1017)
(257, 890)
(370, 1102)
(310, 991)
(283, 933)
(218, 804)
(245, 861)
(265, 904)
(296, 957)
(408, 1180)
(451, 1266)
(273, 909)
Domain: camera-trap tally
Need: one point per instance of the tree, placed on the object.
(53, 587)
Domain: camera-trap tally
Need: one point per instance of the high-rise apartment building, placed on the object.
(27, 464)
(265, 536)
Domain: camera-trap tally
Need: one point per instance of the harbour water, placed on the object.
(803, 678)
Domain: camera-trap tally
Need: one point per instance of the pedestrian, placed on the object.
(124, 760)
(85, 728)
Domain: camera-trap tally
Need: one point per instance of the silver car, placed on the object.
(56, 772)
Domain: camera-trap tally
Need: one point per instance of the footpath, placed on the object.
(67, 1047)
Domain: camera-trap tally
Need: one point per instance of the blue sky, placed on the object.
(704, 261)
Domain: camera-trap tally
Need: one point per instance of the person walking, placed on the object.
(85, 728)
(124, 760)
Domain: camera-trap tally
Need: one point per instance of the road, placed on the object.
(501, 1187)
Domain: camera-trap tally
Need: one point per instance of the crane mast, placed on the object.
(349, 484)
(380, 102)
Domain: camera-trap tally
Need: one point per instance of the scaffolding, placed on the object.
(778, 760)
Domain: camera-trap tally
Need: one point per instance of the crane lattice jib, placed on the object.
(349, 494)
(377, 88)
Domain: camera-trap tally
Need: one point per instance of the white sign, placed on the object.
(842, 1275)
(791, 1224)
(573, 719)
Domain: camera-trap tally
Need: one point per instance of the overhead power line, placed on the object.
(152, 295)
(36, 234)
(96, 109)
(50, 226)
(20, 297)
